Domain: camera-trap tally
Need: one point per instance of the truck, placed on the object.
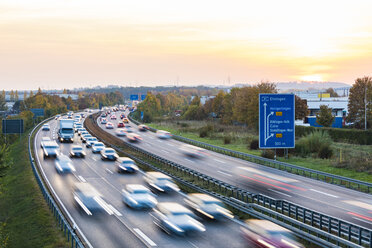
(66, 130)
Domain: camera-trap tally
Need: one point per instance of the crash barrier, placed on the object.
(294, 169)
(318, 228)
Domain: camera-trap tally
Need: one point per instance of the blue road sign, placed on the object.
(134, 97)
(37, 112)
(143, 97)
(12, 126)
(276, 121)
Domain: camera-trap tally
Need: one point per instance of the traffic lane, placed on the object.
(311, 199)
(113, 234)
(108, 190)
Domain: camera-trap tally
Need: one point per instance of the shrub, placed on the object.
(254, 144)
(268, 154)
(227, 140)
(203, 133)
(325, 152)
(313, 143)
(184, 124)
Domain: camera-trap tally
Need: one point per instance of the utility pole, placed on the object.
(365, 107)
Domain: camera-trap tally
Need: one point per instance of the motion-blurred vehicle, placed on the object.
(163, 134)
(139, 197)
(77, 151)
(77, 127)
(45, 127)
(82, 131)
(122, 116)
(43, 140)
(143, 128)
(160, 182)
(89, 199)
(207, 206)
(125, 120)
(108, 154)
(64, 164)
(85, 137)
(128, 129)
(103, 115)
(50, 149)
(113, 117)
(90, 141)
(193, 151)
(103, 121)
(57, 116)
(133, 137)
(82, 115)
(125, 164)
(120, 132)
(97, 147)
(121, 124)
(175, 218)
(264, 233)
(109, 125)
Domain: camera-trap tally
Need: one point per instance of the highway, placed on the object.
(126, 227)
(333, 200)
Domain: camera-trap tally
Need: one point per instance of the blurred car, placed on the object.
(45, 127)
(207, 206)
(125, 120)
(77, 127)
(175, 218)
(50, 149)
(133, 137)
(108, 154)
(264, 233)
(120, 132)
(57, 116)
(77, 151)
(125, 164)
(89, 199)
(109, 125)
(139, 197)
(122, 116)
(103, 121)
(160, 182)
(85, 137)
(163, 134)
(82, 115)
(64, 164)
(97, 147)
(43, 140)
(193, 151)
(121, 124)
(143, 128)
(128, 129)
(83, 132)
(113, 117)
(90, 141)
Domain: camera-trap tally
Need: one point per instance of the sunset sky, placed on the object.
(72, 43)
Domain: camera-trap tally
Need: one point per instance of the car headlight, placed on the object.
(174, 226)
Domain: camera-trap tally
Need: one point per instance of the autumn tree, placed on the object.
(324, 117)
(31, 94)
(301, 109)
(39, 91)
(24, 95)
(2, 103)
(332, 92)
(217, 105)
(16, 96)
(3, 93)
(11, 96)
(360, 102)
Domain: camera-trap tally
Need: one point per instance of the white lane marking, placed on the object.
(94, 158)
(115, 210)
(217, 160)
(224, 173)
(267, 174)
(365, 221)
(193, 244)
(82, 179)
(165, 151)
(108, 170)
(360, 204)
(189, 160)
(151, 137)
(324, 193)
(147, 239)
(273, 190)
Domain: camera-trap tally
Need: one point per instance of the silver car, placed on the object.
(97, 147)
(139, 197)
(64, 164)
(160, 182)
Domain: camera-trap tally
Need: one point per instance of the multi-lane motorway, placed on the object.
(346, 204)
(125, 227)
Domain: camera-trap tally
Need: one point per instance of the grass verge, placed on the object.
(27, 219)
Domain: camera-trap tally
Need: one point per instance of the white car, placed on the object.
(90, 141)
(120, 132)
(45, 127)
(193, 151)
(77, 151)
(109, 125)
(97, 147)
(43, 140)
(163, 134)
(160, 182)
(125, 164)
(139, 197)
(64, 164)
(109, 154)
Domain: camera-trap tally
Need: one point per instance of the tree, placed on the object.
(301, 109)
(31, 94)
(217, 105)
(16, 96)
(64, 91)
(325, 117)
(3, 106)
(332, 92)
(11, 96)
(24, 95)
(39, 91)
(3, 93)
(360, 99)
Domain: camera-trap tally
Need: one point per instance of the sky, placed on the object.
(74, 43)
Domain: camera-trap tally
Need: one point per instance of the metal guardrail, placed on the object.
(63, 223)
(314, 226)
(294, 169)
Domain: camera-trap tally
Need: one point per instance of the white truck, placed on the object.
(66, 130)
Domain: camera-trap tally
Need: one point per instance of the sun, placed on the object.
(312, 78)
